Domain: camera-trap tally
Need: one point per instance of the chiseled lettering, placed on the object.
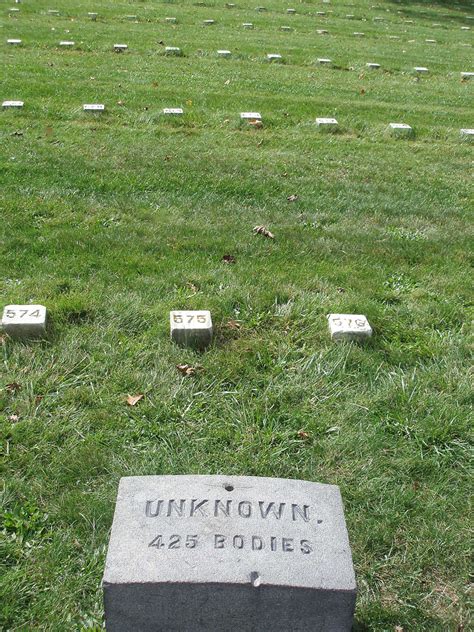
(173, 506)
(257, 543)
(219, 541)
(245, 509)
(273, 543)
(219, 506)
(305, 546)
(271, 509)
(287, 544)
(238, 542)
(149, 513)
(198, 506)
(298, 511)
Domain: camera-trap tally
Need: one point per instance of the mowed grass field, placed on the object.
(113, 220)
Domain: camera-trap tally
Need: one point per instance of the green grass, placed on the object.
(111, 221)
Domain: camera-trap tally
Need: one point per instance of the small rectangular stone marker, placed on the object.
(467, 134)
(373, 66)
(224, 53)
(320, 13)
(173, 50)
(228, 554)
(93, 16)
(191, 328)
(53, 12)
(287, 29)
(12, 104)
(230, 5)
(291, 11)
(131, 17)
(464, 75)
(250, 117)
(420, 69)
(324, 60)
(14, 11)
(14, 41)
(23, 321)
(327, 123)
(400, 129)
(359, 34)
(66, 43)
(274, 57)
(171, 20)
(322, 32)
(430, 41)
(209, 22)
(349, 326)
(247, 25)
(93, 107)
(260, 9)
(173, 111)
(120, 47)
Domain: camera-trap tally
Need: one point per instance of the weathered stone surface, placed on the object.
(24, 321)
(228, 554)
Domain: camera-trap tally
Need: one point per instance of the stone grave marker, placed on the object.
(171, 20)
(93, 107)
(260, 9)
(291, 11)
(251, 117)
(14, 42)
(359, 34)
(247, 25)
(349, 327)
(467, 134)
(320, 13)
(53, 12)
(13, 11)
(173, 50)
(173, 111)
(322, 32)
(191, 328)
(224, 53)
(66, 44)
(93, 16)
(421, 69)
(120, 48)
(228, 554)
(132, 18)
(12, 104)
(401, 129)
(324, 60)
(209, 22)
(230, 5)
(327, 124)
(464, 75)
(286, 29)
(24, 321)
(274, 57)
(373, 66)
(430, 41)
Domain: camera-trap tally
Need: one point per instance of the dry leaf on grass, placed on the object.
(262, 230)
(38, 399)
(302, 434)
(229, 259)
(233, 324)
(13, 387)
(188, 370)
(292, 198)
(257, 124)
(132, 400)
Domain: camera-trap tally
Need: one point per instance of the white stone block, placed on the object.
(467, 134)
(274, 57)
(93, 16)
(349, 326)
(14, 10)
(465, 28)
(324, 60)
(230, 5)
(327, 123)
(247, 25)
(250, 116)
(120, 47)
(23, 321)
(322, 32)
(320, 13)
(421, 69)
(131, 17)
(173, 50)
(173, 111)
(260, 9)
(373, 66)
(287, 29)
(467, 75)
(191, 328)
(224, 53)
(12, 104)
(93, 107)
(66, 43)
(359, 34)
(209, 22)
(350, 16)
(393, 37)
(430, 41)
(400, 129)
(171, 20)
(53, 12)
(291, 11)
(14, 41)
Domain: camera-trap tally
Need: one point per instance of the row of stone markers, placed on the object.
(188, 328)
(176, 51)
(254, 119)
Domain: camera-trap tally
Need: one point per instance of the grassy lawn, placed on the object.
(113, 220)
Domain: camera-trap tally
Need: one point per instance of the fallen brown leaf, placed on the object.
(120, 103)
(262, 230)
(13, 387)
(257, 124)
(292, 198)
(229, 259)
(192, 287)
(132, 400)
(188, 370)
(38, 399)
(233, 324)
(362, 91)
(13, 418)
(302, 434)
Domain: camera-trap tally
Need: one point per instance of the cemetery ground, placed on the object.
(112, 220)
